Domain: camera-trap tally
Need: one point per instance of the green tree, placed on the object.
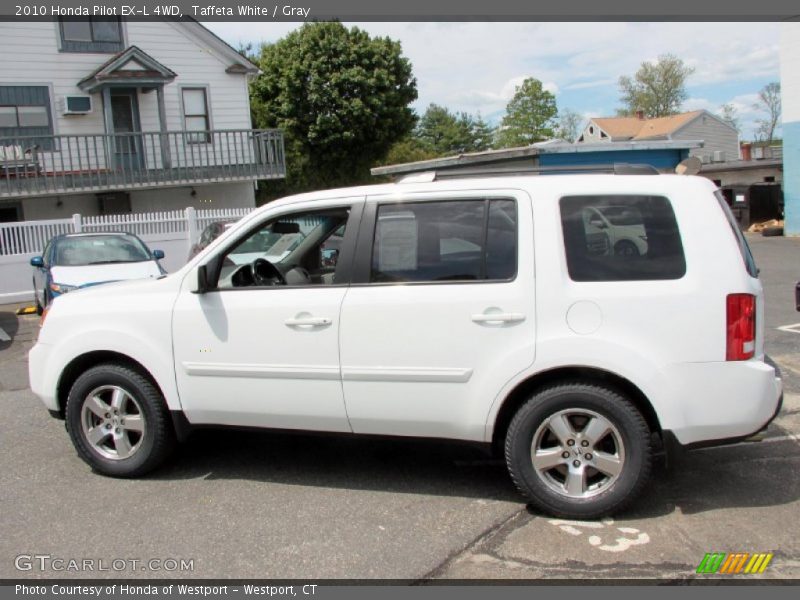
(769, 101)
(407, 150)
(658, 89)
(342, 99)
(444, 132)
(569, 124)
(530, 116)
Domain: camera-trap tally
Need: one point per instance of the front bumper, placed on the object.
(43, 380)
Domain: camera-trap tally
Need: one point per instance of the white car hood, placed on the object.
(90, 274)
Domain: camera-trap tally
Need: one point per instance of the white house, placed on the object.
(720, 140)
(113, 116)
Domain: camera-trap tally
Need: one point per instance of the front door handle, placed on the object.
(308, 321)
(498, 318)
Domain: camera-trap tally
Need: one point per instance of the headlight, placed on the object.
(61, 288)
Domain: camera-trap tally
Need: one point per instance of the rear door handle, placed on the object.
(308, 321)
(498, 317)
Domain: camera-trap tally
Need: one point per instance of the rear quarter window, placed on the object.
(744, 247)
(621, 238)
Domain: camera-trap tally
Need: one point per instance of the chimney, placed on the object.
(640, 115)
(747, 151)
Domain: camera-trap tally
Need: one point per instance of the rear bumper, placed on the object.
(728, 418)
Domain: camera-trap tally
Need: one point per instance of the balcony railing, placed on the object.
(60, 164)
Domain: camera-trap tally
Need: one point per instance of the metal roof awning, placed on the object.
(132, 67)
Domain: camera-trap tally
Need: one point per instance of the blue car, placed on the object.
(78, 260)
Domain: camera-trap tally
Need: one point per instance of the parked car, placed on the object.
(471, 309)
(210, 233)
(620, 227)
(78, 260)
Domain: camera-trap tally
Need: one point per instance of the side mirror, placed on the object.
(158, 254)
(597, 222)
(202, 280)
(37, 261)
(797, 296)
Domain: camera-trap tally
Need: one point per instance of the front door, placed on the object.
(125, 118)
(440, 317)
(262, 347)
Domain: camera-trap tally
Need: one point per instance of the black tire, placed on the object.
(626, 248)
(772, 231)
(534, 416)
(155, 443)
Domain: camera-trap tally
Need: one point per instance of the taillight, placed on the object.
(741, 327)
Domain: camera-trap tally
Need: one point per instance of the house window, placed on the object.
(25, 114)
(91, 35)
(591, 130)
(195, 114)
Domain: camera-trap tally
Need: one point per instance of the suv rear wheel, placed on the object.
(579, 450)
(118, 421)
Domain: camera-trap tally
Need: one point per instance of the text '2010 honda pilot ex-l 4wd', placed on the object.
(495, 310)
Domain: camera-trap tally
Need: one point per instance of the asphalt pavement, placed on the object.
(245, 504)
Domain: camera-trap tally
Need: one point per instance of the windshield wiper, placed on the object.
(111, 262)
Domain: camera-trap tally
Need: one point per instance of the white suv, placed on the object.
(474, 309)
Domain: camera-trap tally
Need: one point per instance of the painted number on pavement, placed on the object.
(630, 535)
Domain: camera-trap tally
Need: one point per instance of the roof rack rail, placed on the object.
(615, 169)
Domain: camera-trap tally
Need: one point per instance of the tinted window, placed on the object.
(621, 238)
(744, 247)
(465, 240)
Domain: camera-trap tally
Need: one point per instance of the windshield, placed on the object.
(98, 250)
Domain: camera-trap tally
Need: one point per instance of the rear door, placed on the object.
(440, 314)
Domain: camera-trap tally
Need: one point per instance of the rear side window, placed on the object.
(459, 240)
(744, 247)
(621, 238)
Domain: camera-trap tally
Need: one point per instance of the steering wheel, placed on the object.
(265, 273)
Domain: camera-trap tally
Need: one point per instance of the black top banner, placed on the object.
(409, 10)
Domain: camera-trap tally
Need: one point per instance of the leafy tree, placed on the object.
(530, 116)
(769, 101)
(729, 114)
(658, 89)
(407, 150)
(569, 124)
(443, 132)
(342, 99)
(482, 134)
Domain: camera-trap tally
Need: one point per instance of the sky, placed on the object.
(475, 67)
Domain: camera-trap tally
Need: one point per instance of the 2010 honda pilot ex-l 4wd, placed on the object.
(495, 310)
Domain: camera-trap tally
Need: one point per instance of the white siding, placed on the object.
(30, 55)
(591, 133)
(715, 135)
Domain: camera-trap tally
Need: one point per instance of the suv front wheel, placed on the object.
(579, 450)
(118, 421)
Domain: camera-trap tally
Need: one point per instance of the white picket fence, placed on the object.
(174, 232)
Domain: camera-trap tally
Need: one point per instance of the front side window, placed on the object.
(461, 240)
(293, 250)
(195, 114)
(621, 238)
(91, 35)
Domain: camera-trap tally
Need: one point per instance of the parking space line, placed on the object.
(4, 336)
(790, 328)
